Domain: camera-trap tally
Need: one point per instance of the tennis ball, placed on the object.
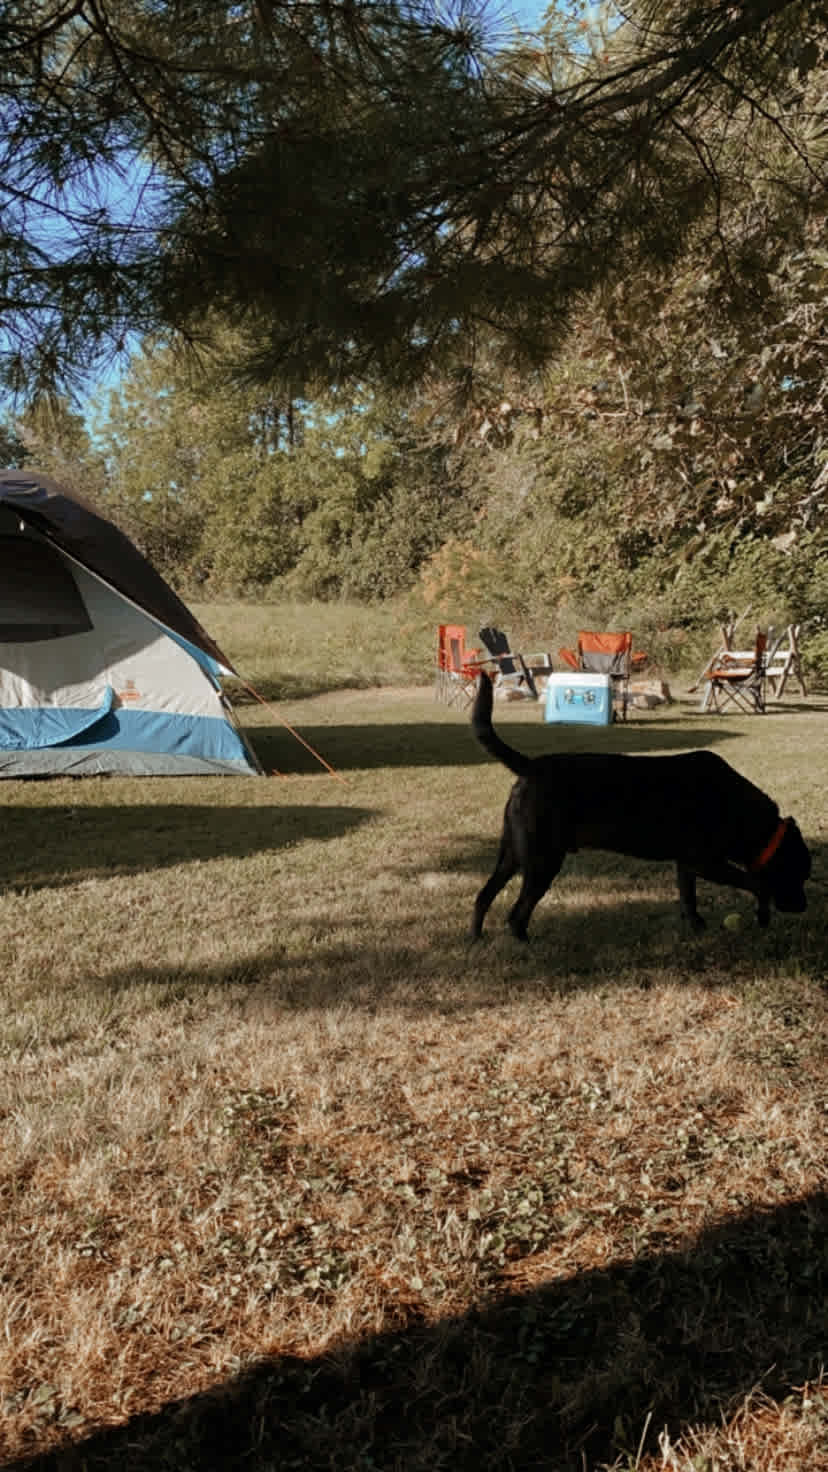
(732, 921)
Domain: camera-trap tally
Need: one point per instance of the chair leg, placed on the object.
(528, 677)
(746, 697)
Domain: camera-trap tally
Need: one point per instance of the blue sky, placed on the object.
(529, 15)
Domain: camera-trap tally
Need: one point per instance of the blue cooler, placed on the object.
(579, 699)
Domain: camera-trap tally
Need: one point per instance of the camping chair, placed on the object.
(728, 632)
(784, 660)
(457, 666)
(738, 678)
(515, 672)
(604, 654)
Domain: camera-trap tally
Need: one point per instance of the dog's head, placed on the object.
(787, 870)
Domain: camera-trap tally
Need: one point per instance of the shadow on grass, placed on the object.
(797, 707)
(451, 744)
(613, 927)
(617, 933)
(45, 846)
(564, 1377)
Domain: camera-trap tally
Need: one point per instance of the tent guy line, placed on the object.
(268, 704)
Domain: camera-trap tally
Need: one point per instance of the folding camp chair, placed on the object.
(738, 677)
(728, 629)
(604, 654)
(784, 660)
(515, 672)
(457, 666)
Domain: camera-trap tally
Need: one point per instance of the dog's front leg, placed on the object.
(726, 873)
(723, 872)
(686, 879)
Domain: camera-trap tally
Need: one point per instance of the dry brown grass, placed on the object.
(787, 1437)
(291, 1177)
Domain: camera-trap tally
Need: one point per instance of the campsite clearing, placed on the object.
(272, 1131)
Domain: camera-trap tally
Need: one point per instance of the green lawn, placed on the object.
(293, 1177)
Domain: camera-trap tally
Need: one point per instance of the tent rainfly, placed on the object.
(102, 667)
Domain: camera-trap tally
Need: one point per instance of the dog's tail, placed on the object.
(486, 733)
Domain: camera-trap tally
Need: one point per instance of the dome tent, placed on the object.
(103, 669)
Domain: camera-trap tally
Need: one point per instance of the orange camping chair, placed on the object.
(457, 666)
(738, 677)
(604, 654)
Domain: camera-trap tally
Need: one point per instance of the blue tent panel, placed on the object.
(29, 729)
(210, 737)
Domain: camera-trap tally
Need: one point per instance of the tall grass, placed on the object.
(291, 649)
(292, 1177)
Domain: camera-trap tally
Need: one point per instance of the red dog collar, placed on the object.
(771, 846)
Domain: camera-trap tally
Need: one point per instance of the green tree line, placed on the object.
(670, 464)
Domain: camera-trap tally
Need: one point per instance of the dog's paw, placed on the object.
(694, 922)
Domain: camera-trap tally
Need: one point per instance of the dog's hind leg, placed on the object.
(538, 874)
(504, 868)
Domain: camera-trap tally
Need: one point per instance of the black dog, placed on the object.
(693, 809)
